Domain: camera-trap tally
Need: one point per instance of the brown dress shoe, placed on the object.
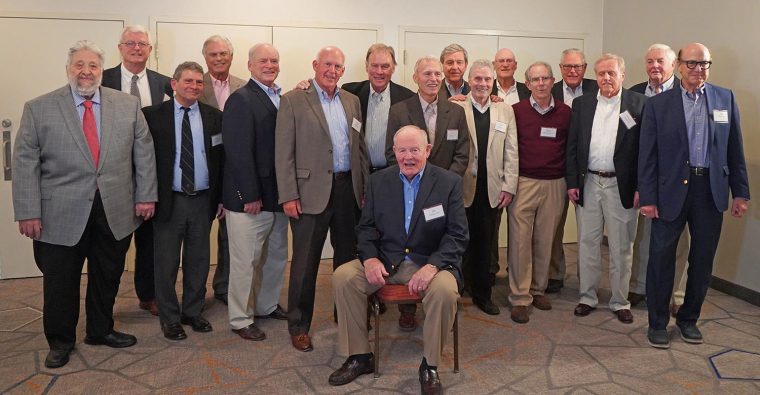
(635, 298)
(150, 306)
(520, 314)
(302, 342)
(542, 302)
(251, 332)
(624, 315)
(406, 322)
(582, 310)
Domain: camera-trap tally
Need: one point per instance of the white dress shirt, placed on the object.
(142, 85)
(604, 133)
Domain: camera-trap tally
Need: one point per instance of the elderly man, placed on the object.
(85, 178)
(258, 227)
(489, 182)
(602, 150)
(189, 154)
(454, 61)
(133, 77)
(572, 65)
(660, 62)
(321, 167)
(218, 85)
(426, 202)
(691, 155)
(506, 86)
(542, 128)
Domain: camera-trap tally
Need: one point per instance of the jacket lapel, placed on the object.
(588, 119)
(441, 126)
(313, 99)
(208, 91)
(73, 123)
(470, 117)
(107, 116)
(622, 129)
(207, 126)
(426, 187)
(262, 96)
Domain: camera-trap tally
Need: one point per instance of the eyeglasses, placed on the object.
(536, 80)
(568, 67)
(136, 44)
(691, 64)
(504, 60)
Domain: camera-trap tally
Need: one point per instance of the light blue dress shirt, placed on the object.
(199, 148)
(79, 105)
(411, 188)
(336, 121)
(697, 128)
(274, 92)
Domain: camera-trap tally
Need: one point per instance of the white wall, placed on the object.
(729, 29)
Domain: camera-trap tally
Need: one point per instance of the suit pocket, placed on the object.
(302, 173)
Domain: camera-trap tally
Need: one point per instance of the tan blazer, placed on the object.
(303, 149)
(502, 157)
(208, 96)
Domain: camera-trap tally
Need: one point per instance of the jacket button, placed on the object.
(685, 182)
(330, 151)
(406, 250)
(329, 172)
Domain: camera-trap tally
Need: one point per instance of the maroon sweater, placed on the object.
(541, 157)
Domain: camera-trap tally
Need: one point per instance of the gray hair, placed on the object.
(535, 64)
(136, 29)
(611, 56)
(481, 64)
(571, 51)
(88, 46)
(426, 58)
(423, 134)
(217, 39)
(453, 48)
(192, 66)
(380, 47)
(669, 53)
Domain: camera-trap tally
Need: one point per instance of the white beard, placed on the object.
(85, 92)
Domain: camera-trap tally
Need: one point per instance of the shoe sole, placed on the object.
(98, 343)
(660, 346)
(339, 383)
(688, 340)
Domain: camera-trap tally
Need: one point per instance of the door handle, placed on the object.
(7, 171)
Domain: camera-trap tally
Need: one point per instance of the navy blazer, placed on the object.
(440, 242)
(664, 152)
(587, 86)
(160, 119)
(626, 152)
(362, 90)
(248, 129)
(522, 90)
(641, 87)
(159, 84)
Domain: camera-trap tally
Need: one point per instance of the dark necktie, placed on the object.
(186, 159)
(133, 89)
(91, 131)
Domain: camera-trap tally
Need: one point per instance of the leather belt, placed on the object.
(341, 175)
(191, 195)
(699, 171)
(606, 174)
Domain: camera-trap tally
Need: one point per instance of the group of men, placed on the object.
(411, 187)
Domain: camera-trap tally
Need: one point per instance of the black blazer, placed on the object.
(248, 130)
(449, 154)
(440, 242)
(444, 94)
(626, 154)
(642, 87)
(159, 84)
(362, 90)
(522, 90)
(160, 119)
(587, 86)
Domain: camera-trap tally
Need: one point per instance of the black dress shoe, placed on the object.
(582, 310)
(221, 297)
(351, 369)
(634, 298)
(198, 323)
(279, 314)
(173, 331)
(113, 340)
(690, 333)
(487, 306)
(554, 286)
(57, 358)
(429, 382)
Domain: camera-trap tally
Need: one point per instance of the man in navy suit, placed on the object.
(690, 155)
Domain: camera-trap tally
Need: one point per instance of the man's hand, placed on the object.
(574, 194)
(739, 207)
(375, 271)
(505, 198)
(145, 210)
(421, 279)
(636, 199)
(650, 211)
(220, 211)
(458, 98)
(302, 85)
(496, 98)
(253, 207)
(292, 208)
(31, 228)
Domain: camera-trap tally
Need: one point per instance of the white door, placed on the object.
(37, 50)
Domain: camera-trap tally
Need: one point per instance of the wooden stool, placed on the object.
(391, 294)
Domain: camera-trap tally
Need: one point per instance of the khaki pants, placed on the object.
(557, 267)
(641, 261)
(352, 289)
(534, 216)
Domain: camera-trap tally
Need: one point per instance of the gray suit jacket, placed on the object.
(208, 96)
(55, 178)
(303, 150)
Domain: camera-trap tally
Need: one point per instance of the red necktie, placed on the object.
(91, 131)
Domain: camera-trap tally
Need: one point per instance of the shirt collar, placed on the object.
(425, 104)
(700, 91)
(415, 180)
(508, 89)
(128, 74)
(537, 107)
(611, 100)
(216, 81)
(453, 90)
(322, 94)
(665, 85)
(79, 99)
(274, 89)
(477, 105)
(567, 87)
(178, 107)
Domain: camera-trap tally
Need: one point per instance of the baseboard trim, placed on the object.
(736, 290)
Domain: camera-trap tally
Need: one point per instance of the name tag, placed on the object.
(550, 133)
(356, 125)
(720, 116)
(627, 119)
(452, 134)
(500, 127)
(432, 213)
(216, 139)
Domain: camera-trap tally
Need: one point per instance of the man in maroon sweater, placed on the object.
(534, 215)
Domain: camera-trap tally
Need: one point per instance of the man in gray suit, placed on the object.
(321, 165)
(85, 179)
(218, 85)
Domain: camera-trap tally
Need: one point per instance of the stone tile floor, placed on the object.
(554, 353)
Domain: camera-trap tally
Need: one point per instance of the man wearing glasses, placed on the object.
(132, 76)
(690, 155)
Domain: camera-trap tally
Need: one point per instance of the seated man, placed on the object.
(426, 257)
